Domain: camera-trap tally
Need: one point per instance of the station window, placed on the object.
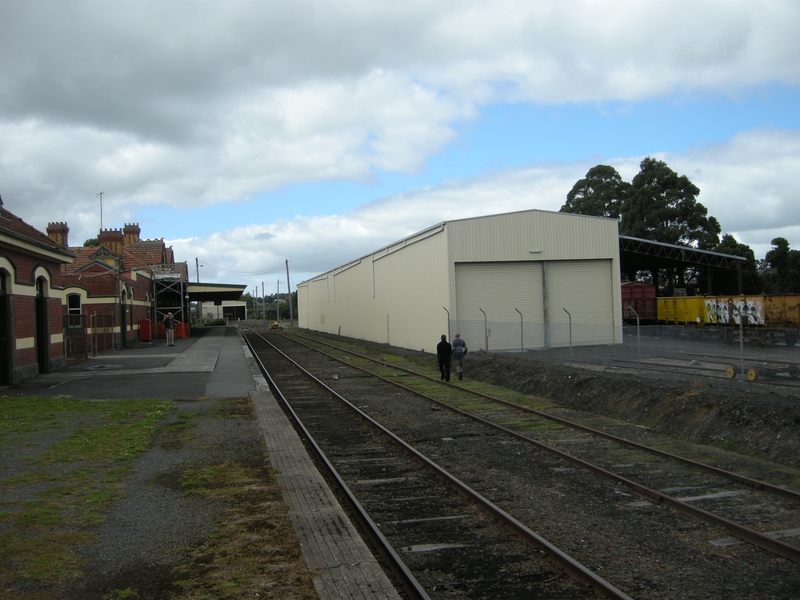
(74, 304)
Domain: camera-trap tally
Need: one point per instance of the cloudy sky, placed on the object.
(248, 133)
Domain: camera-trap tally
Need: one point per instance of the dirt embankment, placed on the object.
(766, 425)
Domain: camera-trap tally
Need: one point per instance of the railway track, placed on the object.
(734, 506)
(443, 539)
(784, 374)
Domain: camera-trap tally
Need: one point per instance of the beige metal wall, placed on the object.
(539, 263)
(401, 294)
(533, 235)
(395, 295)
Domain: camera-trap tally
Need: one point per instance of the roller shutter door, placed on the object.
(498, 288)
(582, 287)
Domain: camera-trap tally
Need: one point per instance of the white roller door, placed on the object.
(499, 288)
(582, 287)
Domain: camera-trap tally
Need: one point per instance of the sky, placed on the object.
(249, 133)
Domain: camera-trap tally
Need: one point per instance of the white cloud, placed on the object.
(746, 183)
(194, 103)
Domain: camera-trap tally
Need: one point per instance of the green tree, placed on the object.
(781, 269)
(662, 206)
(726, 281)
(91, 242)
(601, 193)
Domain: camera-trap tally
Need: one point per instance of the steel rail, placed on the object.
(409, 583)
(748, 482)
(553, 553)
(628, 365)
(746, 534)
(708, 373)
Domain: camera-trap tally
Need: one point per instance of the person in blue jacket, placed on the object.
(459, 352)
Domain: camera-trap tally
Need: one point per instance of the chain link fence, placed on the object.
(664, 351)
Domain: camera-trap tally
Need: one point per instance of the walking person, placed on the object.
(169, 328)
(444, 352)
(459, 352)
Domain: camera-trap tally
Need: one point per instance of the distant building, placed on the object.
(233, 310)
(31, 337)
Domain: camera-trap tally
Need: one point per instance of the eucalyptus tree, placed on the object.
(601, 193)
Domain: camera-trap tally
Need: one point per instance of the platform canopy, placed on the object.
(214, 292)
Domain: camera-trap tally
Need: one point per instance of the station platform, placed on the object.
(218, 364)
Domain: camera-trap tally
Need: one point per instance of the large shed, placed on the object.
(523, 280)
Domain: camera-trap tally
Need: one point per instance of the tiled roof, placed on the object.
(83, 256)
(138, 255)
(15, 227)
(143, 254)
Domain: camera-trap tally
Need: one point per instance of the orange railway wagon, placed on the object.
(639, 297)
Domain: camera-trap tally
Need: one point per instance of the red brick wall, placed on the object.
(25, 364)
(106, 285)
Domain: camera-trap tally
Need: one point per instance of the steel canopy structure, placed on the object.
(214, 292)
(636, 254)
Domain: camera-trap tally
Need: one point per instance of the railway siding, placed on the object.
(634, 544)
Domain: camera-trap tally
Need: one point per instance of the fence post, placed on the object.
(741, 349)
(485, 330)
(521, 336)
(570, 336)
(638, 343)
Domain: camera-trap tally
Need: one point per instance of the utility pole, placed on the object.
(278, 302)
(100, 195)
(263, 303)
(289, 294)
(197, 268)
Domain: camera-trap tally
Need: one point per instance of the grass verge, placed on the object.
(63, 464)
(253, 552)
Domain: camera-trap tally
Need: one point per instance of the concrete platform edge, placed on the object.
(344, 567)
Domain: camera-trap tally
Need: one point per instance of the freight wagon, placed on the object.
(764, 319)
(639, 299)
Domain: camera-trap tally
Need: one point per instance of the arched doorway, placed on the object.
(42, 335)
(6, 348)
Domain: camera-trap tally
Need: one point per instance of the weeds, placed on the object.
(55, 494)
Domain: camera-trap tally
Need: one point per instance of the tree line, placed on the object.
(660, 205)
(255, 303)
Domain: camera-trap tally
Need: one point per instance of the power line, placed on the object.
(262, 272)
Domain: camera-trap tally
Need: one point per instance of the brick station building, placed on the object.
(31, 336)
(109, 288)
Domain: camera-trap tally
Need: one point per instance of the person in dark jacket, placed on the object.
(169, 328)
(443, 353)
(459, 352)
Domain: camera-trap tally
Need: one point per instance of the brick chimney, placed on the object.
(131, 232)
(112, 239)
(58, 232)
